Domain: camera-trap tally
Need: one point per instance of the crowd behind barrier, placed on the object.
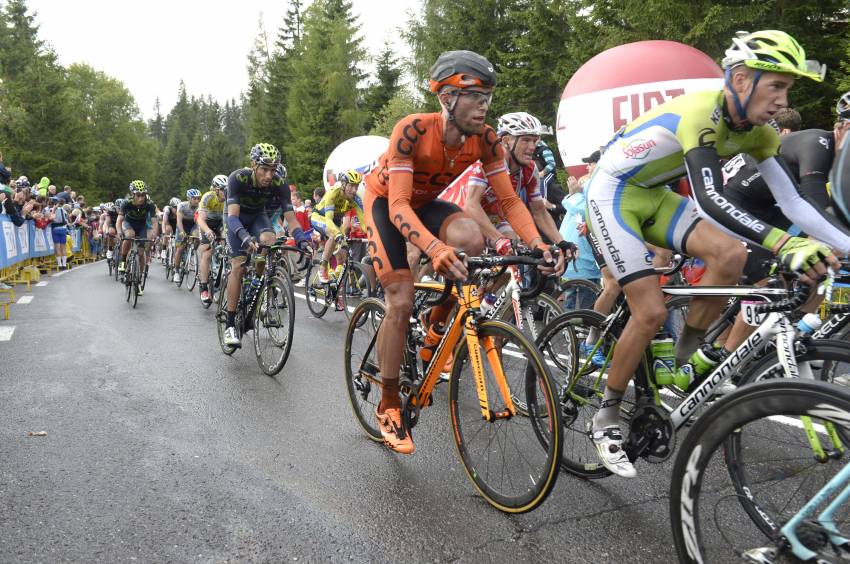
(41, 230)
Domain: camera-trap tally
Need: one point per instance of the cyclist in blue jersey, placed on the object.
(250, 191)
(136, 218)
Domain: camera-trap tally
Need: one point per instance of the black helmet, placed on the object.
(461, 69)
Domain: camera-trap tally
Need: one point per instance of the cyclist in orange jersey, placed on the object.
(426, 152)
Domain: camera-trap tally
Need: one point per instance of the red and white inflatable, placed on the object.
(618, 85)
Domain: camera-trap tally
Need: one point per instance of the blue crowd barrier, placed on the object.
(19, 243)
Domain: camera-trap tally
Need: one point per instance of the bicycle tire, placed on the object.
(135, 286)
(355, 281)
(536, 478)
(543, 309)
(364, 385)
(577, 283)
(129, 268)
(700, 528)
(221, 317)
(315, 294)
(192, 267)
(144, 277)
(579, 386)
(275, 303)
(110, 265)
(768, 368)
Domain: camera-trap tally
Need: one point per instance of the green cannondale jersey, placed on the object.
(650, 150)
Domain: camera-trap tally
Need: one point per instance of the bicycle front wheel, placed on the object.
(534, 313)
(274, 324)
(192, 269)
(512, 459)
(362, 370)
(713, 519)
(221, 314)
(316, 292)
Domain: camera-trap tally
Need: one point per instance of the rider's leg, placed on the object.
(205, 251)
(129, 233)
(398, 297)
(724, 259)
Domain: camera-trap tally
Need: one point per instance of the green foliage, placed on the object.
(323, 106)
(307, 91)
(400, 105)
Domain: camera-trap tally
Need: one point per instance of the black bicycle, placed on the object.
(266, 306)
(345, 290)
(134, 276)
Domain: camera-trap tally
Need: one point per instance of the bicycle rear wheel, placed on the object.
(192, 268)
(129, 272)
(316, 292)
(714, 520)
(577, 294)
(362, 372)
(354, 289)
(513, 461)
(274, 324)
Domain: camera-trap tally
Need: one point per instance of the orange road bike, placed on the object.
(503, 406)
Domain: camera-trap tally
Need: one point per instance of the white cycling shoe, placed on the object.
(231, 338)
(609, 446)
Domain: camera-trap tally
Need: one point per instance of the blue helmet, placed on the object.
(193, 193)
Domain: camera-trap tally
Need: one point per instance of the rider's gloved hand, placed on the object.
(445, 261)
(807, 257)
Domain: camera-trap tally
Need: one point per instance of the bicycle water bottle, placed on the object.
(664, 358)
(487, 303)
(253, 284)
(810, 323)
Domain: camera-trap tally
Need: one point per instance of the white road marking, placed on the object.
(78, 267)
(42, 284)
(24, 300)
(6, 332)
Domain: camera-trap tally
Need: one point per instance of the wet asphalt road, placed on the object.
(161, 449)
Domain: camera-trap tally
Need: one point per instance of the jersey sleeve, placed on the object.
(492, 153)
(706, 177)
(806, 213)
(814, 159)
(234, 187)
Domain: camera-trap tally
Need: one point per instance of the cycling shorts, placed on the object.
(623, 216)
(135, 226)
(388, 247)
(191, 229)
(320, 224)
(256, 224)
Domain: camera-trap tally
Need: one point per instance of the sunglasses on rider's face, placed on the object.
(476, 97)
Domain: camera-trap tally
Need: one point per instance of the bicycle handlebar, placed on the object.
(483, 262)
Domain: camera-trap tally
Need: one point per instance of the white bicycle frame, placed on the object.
(775, 326)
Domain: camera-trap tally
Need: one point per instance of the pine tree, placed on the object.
(378, 94)
(323, 103)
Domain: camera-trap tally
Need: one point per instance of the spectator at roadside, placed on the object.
(573, 230)
(42, 186)
(59, 229)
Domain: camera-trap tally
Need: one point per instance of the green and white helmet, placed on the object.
(772, 51)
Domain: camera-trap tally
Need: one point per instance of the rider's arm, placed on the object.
(706, 178)
(119, 223)
(805, 212)
(549, 157)
(544, 220)
(202, 221)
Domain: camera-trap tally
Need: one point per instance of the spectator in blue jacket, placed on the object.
(575, 218)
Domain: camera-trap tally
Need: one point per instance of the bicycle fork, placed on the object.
(492, 352)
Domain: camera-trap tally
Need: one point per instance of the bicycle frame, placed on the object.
(465, 320)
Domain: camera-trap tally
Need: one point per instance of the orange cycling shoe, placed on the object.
(396, 437)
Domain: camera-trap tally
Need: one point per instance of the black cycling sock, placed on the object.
(231, 319)
(203, 286)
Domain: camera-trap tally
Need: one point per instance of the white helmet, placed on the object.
(174, 202)
(843, 106)
(220, 181)
(520, 123)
